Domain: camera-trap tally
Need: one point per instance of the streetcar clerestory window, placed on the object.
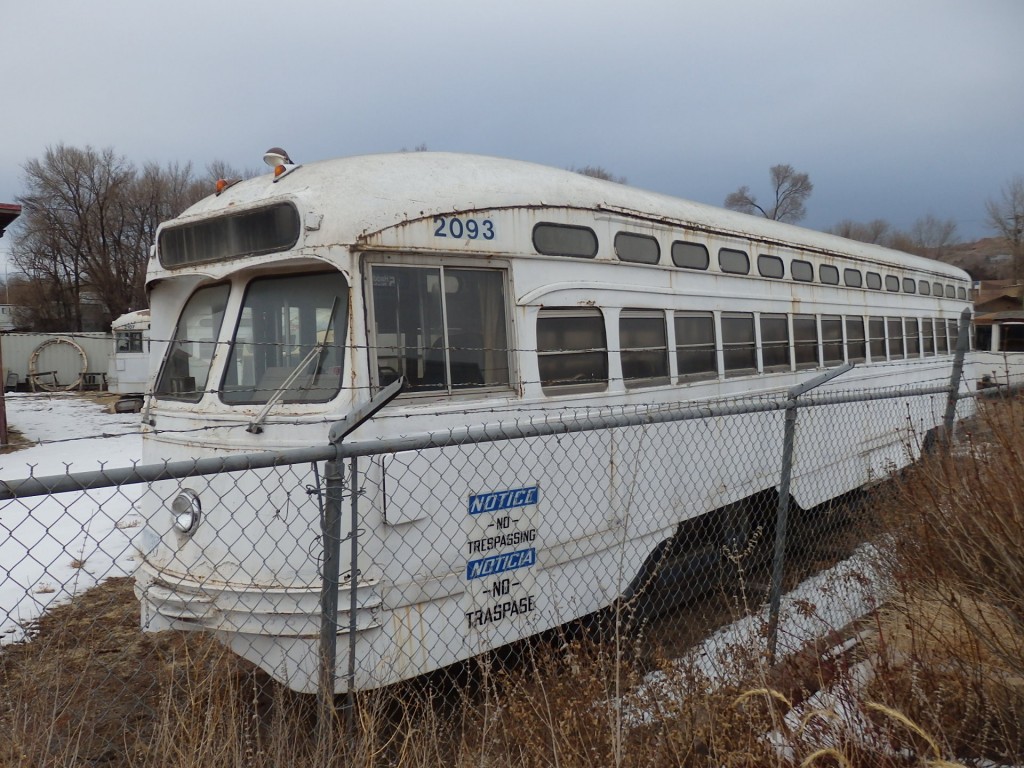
(802, 271)
(565, 240)
(640, 249)
(770, 266)
(828, 274)
(733, 261)
(690, 255)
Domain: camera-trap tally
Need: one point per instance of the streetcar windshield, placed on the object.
(186, 367)
(290, 338)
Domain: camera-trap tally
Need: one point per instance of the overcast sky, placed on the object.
(896, 108)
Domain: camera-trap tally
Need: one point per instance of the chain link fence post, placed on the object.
(782, 515)
(962, 345)
(353, 584)
(334, 479)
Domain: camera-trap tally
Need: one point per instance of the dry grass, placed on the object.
(939, 678)
(950, 646)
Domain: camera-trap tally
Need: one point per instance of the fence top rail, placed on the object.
(561, 422)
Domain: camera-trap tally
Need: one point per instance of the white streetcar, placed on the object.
(128, 367)
(501, 291)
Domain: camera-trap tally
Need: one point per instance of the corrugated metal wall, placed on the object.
(60, 355)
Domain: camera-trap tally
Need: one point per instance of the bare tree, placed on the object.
(597, 172)
(877, 231)
(88, 220)
(1006, 217)
(790, 189)
(932, 237)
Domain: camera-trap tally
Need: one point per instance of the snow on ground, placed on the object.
(52, 547)
(824, 603)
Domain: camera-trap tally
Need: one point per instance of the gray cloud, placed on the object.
(894, 109)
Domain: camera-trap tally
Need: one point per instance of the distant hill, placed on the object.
(985, 259)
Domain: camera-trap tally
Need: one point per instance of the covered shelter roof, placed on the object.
(8, 213)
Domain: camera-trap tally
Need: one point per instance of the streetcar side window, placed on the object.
(892, 283)
(572, 350)
(874, 281)
(805, 341)
(695, 345)
(643, 344)
(128, 341)
(774, 342)
(828, 274)
(856, 347)
(832, 339)
(953, 330)
(913, 336)
(852, 278)
(895, 326)
(442, 328)
(941, 339)
(876, 340)
(738, 343)
(928, 336)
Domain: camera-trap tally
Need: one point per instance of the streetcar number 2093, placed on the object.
(458, 228)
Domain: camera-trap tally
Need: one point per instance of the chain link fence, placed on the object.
(701, 528)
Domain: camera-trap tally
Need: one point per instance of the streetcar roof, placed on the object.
(380, 191)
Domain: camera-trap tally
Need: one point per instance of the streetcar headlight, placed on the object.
(186, 510)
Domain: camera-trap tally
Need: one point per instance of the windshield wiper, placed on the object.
(256, 425)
